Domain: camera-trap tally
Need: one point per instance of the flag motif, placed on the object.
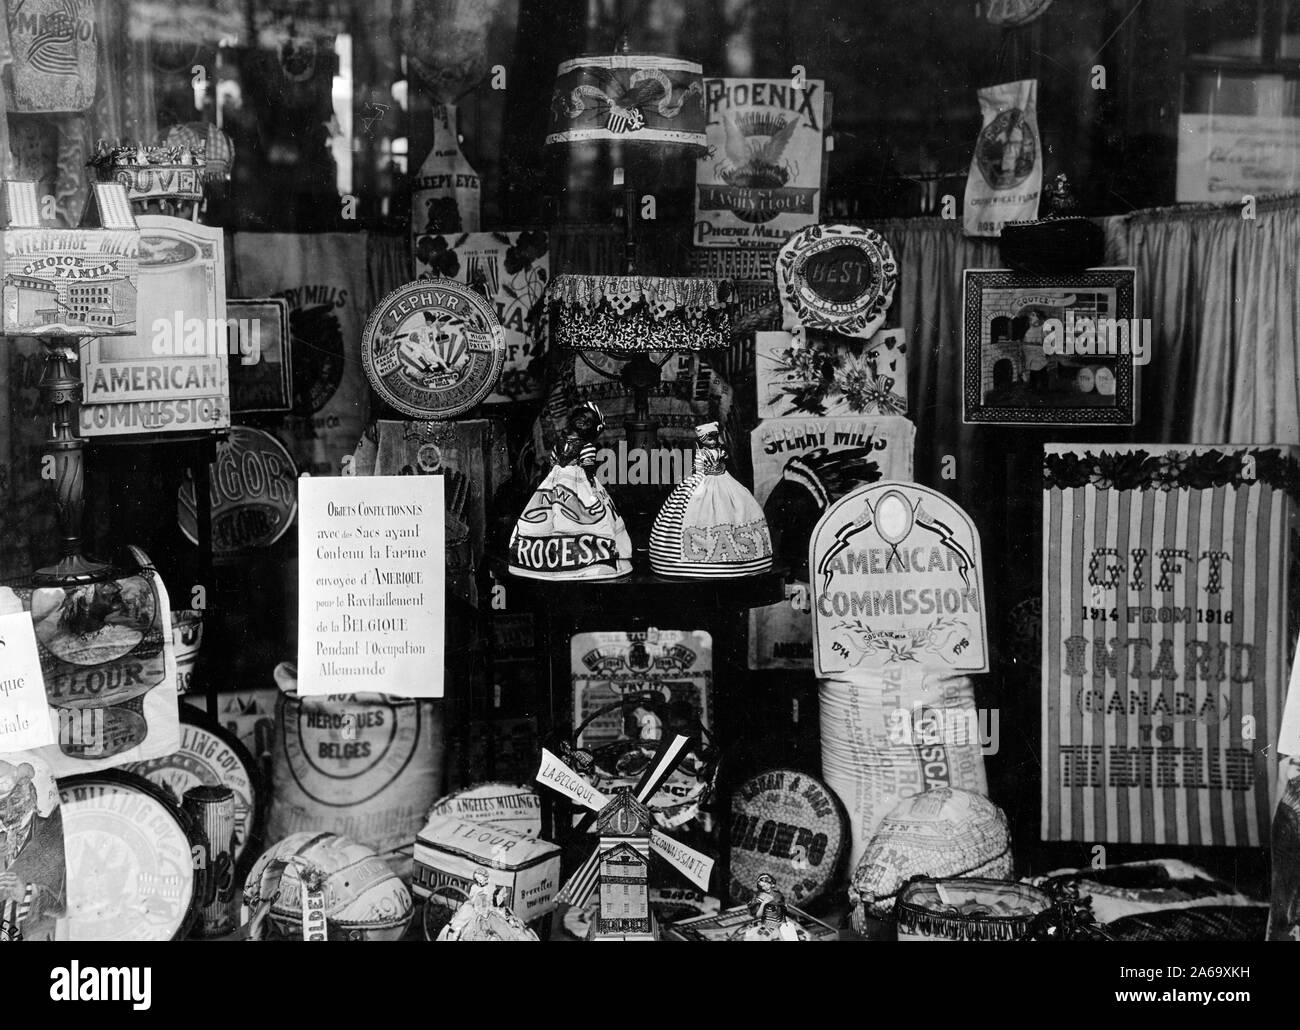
(1164, 641)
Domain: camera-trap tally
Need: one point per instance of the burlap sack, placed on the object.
(366, 766)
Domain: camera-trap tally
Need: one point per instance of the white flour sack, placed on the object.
(1006, 168)
(886, 737)
(366, 766)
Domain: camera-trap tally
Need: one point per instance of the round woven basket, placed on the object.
(967, 909)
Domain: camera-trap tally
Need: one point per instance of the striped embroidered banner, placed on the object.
(1165, 642)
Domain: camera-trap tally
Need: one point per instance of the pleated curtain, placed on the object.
(1221, 292)
(1223, 295)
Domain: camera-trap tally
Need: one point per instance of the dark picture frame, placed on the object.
(264, 387)
(1010, 378)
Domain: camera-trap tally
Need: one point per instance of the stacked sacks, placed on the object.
(889, 737)
(898, 616)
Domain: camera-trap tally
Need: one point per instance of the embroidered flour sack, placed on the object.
(53, 55)
(322, 276)
(1006, 170)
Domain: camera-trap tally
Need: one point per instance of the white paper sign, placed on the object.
(690, 863)
(25, 721)
(1224, 157)
(371, 554)
(555, 774)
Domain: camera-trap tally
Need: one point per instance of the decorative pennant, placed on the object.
(1166, 574)
(690, 863)
(559, 777)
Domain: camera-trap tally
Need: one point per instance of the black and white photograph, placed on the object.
(558, 471)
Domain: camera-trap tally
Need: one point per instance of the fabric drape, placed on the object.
(1221, 292)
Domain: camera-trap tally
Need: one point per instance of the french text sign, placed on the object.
(372, 553)
(24, 713)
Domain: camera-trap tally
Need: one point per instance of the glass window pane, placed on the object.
(1224, 28)
(1290, 43)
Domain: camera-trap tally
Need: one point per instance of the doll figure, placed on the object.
(710, 525)
(769, 920)
(570, 529)
(485, 916)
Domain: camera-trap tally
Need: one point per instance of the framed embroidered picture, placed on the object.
(1051, 349)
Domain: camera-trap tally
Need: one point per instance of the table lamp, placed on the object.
(63, 285)
(651, 105)
(642, 320)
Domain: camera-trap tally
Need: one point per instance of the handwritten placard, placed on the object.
(372, 551)
(1222, 158)
(24, 713)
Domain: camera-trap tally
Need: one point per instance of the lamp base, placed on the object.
(76, 570)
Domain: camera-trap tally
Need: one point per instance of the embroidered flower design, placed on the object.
(1170, 469)
(854, 377)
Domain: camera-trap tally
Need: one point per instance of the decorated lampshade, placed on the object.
(639, 313)
(640, 98)
(167, 178)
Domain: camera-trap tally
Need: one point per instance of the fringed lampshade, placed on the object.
(636, 314)
(643, 320)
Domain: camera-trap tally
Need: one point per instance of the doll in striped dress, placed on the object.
(570, 528)
(710, 525)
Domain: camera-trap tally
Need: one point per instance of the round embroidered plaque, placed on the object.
(254, 494)
(131, 873)
(839, 278)
(433, 349)
(790, 826)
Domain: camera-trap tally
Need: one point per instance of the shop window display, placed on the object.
(867, 451)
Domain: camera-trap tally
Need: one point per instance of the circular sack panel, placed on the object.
(433, 349)
(791, 826)
(129, 850)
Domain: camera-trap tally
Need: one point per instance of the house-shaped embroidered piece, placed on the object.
(624, 826)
